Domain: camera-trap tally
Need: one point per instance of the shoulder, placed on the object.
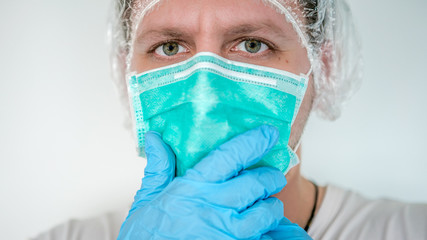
(104, 227)
(345, 214)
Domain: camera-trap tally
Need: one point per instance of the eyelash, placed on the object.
(154, 47)
(270, 46)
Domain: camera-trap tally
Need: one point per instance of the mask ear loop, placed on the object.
(298, 144)
(307, 76)
(307, 79)
(296, 159)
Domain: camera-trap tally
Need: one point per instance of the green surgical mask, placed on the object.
(198, 104)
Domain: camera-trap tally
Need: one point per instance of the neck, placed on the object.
(298, 196)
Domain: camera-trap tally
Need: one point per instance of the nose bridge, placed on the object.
(208, 43)
(209, 37)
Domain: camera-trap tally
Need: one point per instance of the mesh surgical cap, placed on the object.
(325, 29)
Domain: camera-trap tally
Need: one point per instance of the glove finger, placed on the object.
(288, 230)
(266, 237)
(235, 155)
(160, 169)
(262, 217)
(245, 189)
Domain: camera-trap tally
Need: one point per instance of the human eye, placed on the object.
(252, 46)
(169, 49)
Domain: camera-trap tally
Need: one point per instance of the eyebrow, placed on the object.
(245, 29)
(169, 32)
(266, 28)
(173, 33)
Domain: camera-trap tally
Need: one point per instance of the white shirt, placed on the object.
(347, 215)
(342, 215)
(105, 227)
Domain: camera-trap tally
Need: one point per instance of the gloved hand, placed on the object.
(217, 199)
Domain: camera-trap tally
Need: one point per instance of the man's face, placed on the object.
(240, 30)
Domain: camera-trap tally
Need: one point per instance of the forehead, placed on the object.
(216, 16)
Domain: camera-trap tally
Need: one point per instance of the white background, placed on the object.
(64, 151)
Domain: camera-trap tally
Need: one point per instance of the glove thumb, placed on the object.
(159, 172)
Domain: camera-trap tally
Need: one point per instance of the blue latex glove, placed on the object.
(217, 199)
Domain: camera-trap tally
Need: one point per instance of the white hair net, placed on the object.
(325, 28)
